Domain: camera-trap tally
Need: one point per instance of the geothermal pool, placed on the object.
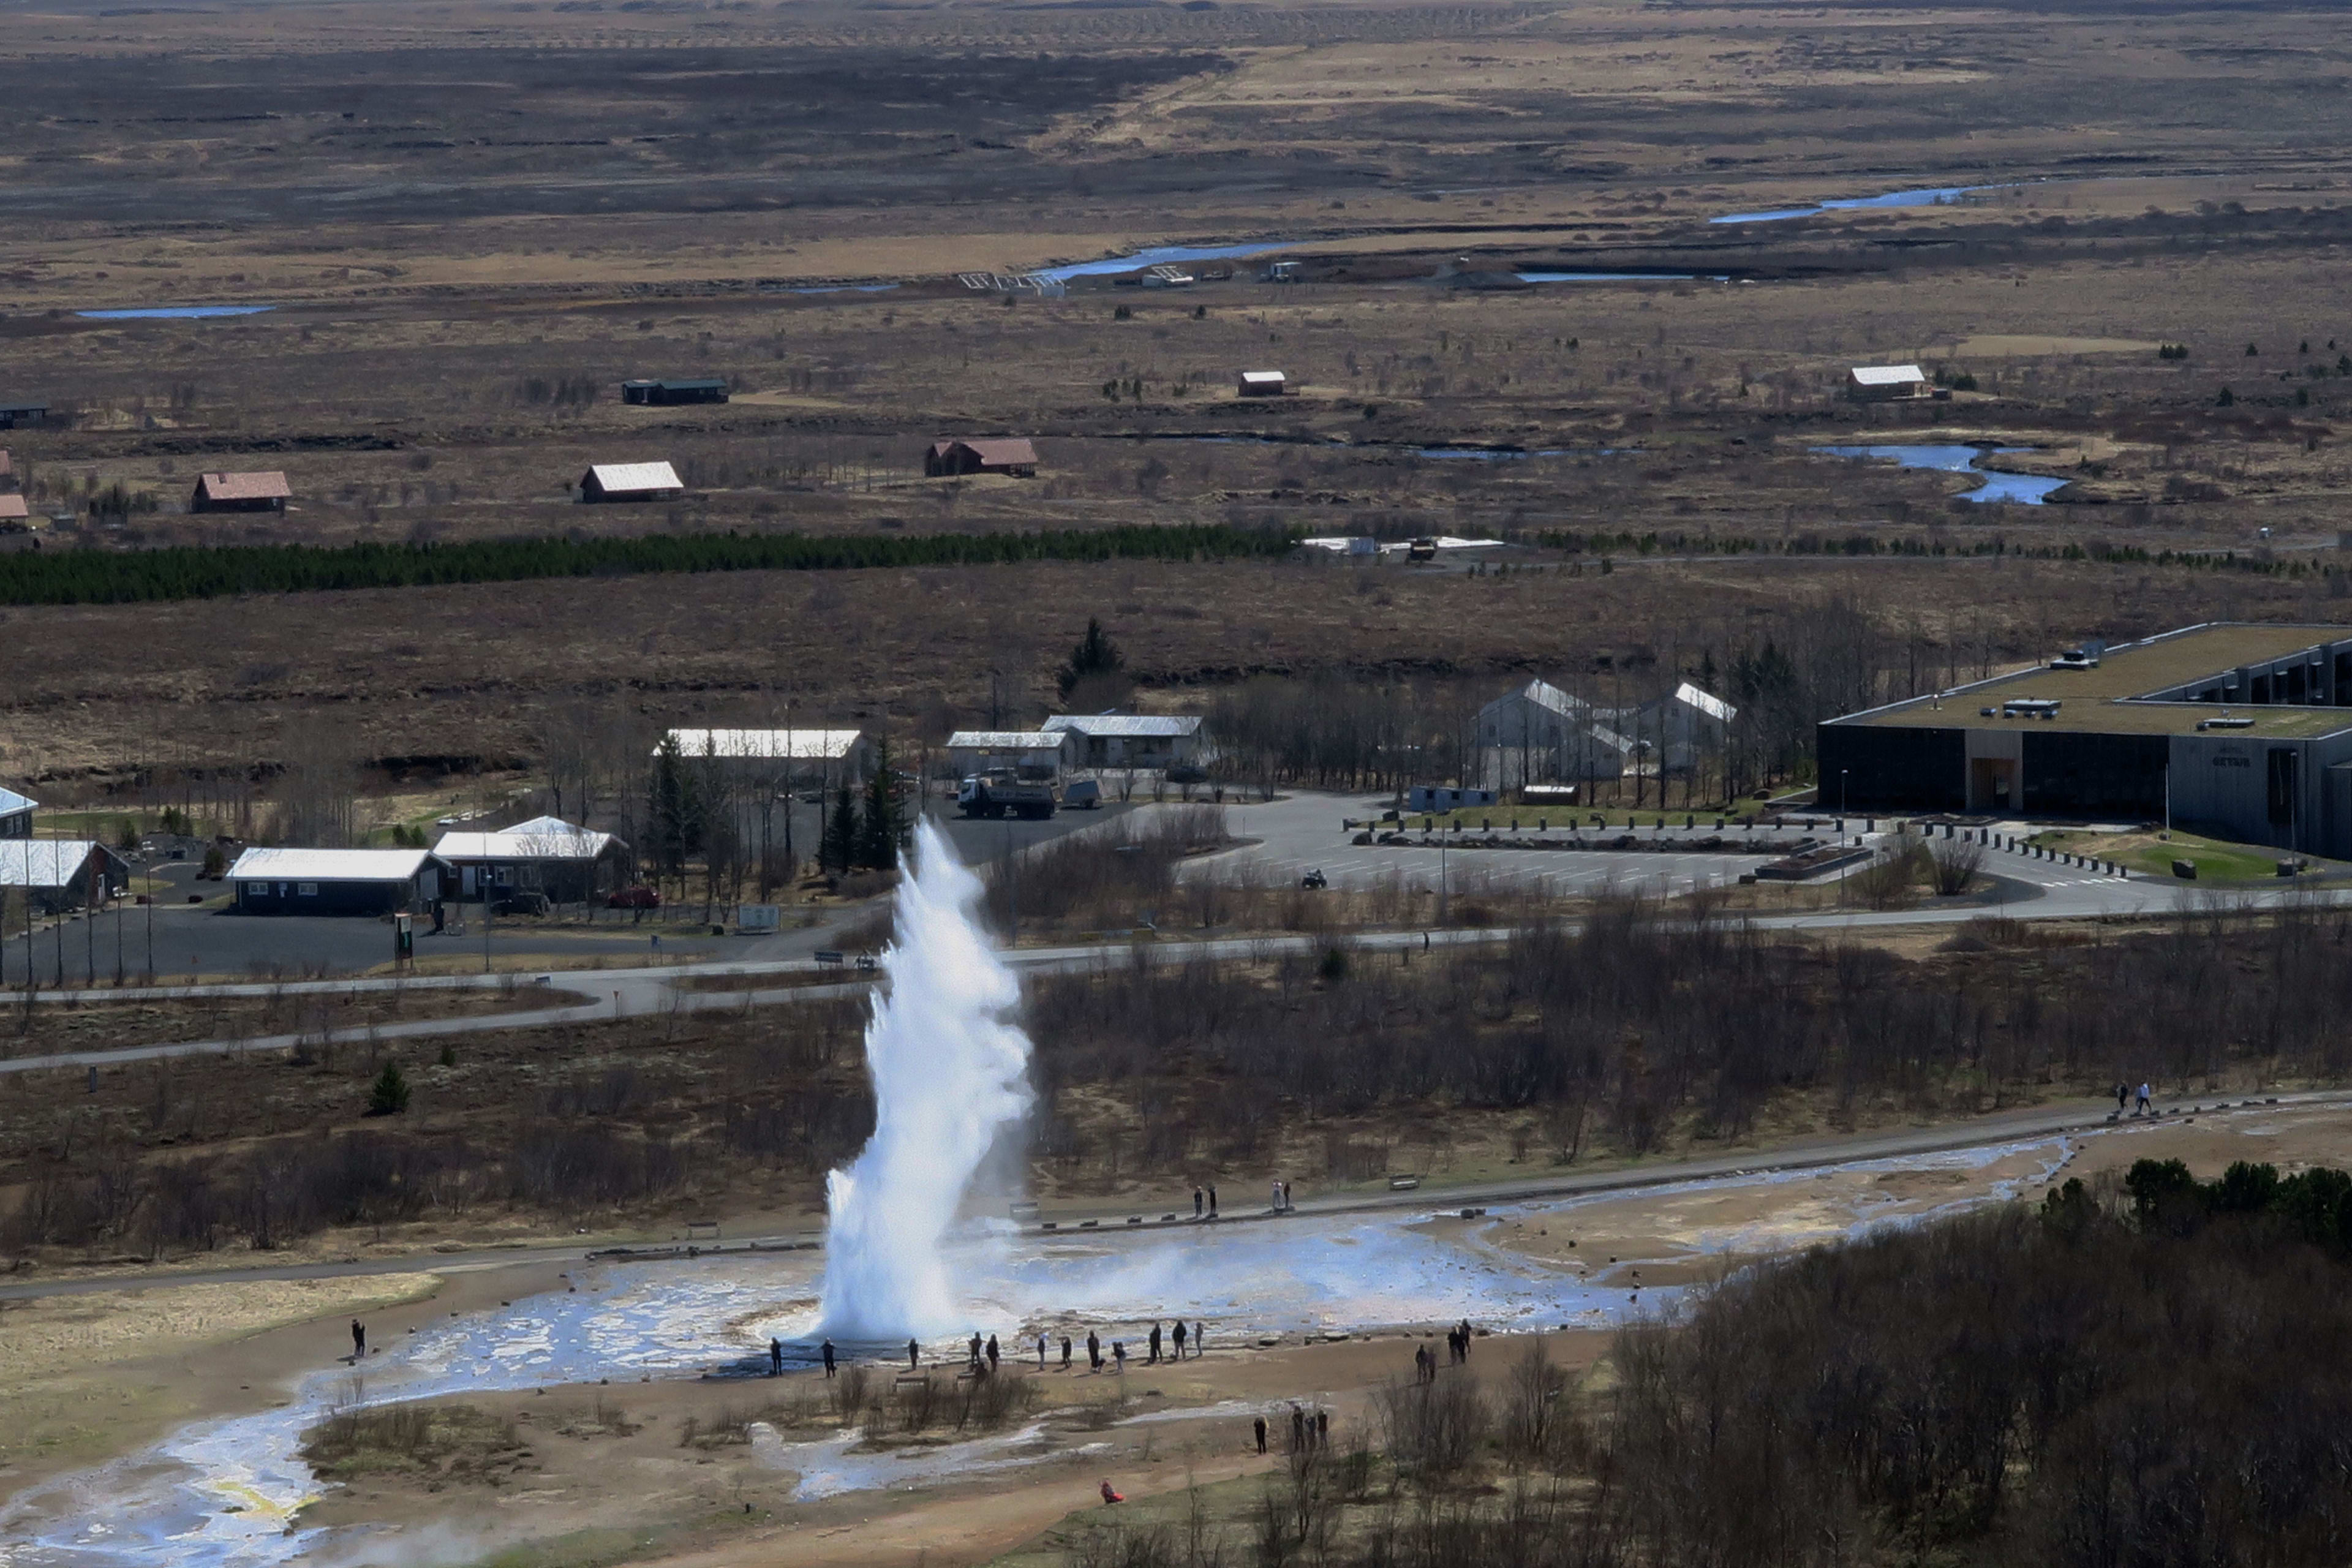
(224, 1494)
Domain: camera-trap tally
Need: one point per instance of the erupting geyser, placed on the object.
(948, 1074)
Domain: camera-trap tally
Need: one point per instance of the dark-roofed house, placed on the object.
(335, 881)
(988, 455)
(14, 415)
(546, 855)
(705, 389)
(15, 814)
(630, 481)
(266, 492)
(62, 873)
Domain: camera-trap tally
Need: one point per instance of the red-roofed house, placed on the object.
(995, 455)
(241, 492)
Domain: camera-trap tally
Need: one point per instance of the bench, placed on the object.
(830, 958)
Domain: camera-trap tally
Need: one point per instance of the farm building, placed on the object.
(779, 757)
(1264, 383)
(995, 455)
(545, 854)
(706, 389)
(15, 814)
(14, 510)
(1886, 383)
(265, 491)
(23, 415)
(1130, 739)
(1028, 753)
(2236, 730)
(336, 881)
(62, 873)
(630, 482)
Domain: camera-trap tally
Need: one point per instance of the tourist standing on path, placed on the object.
(1094, 1350)
(775, 1357)
(1322, 1428)
(2144, 1105)
(1261, 1433)
(1196, 1203)
(1041, 1352)
(1199, 1341)
(971, 1354)
(2123, 1097)
(1119, 1355)
(1180, 1339)
(991, 1353)
(1154, 1360)
(914, 1357)
(828, 1357)
(1066, 1352)
(1277, 1199)
(358, 1339)
(1297, 1430)
(1213, 1200)
(1465, 1338)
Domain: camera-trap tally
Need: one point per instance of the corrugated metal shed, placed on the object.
(1129, 726)
(45, 862)
(635, 478)
(541, 839)
(267, 486)
(1004, 741)
(769, 745)
(1889, 375)
(332, 865)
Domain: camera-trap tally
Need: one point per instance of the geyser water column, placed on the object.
(949, 1073)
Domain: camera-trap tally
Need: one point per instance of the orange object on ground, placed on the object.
(1110, 1496)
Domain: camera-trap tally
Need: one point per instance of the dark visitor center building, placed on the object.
(2240, 730)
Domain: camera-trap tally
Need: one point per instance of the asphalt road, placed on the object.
(1301, 830)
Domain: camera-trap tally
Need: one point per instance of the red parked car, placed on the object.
(633, 899)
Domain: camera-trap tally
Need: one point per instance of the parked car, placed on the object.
(639, 898)
(1187, 773)
(521, 902)
(1082, 794)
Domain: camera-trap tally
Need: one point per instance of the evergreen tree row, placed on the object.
(206, 571)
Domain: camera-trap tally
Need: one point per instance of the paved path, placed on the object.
(2007, 1126)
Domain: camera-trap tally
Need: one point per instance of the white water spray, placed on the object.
(948, 1074)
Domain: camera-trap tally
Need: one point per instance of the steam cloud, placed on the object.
(949, 1073)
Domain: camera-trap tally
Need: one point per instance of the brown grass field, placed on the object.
(471, 217)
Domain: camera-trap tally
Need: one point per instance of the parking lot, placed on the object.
(1302, 833)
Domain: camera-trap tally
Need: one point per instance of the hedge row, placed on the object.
(200, 572)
